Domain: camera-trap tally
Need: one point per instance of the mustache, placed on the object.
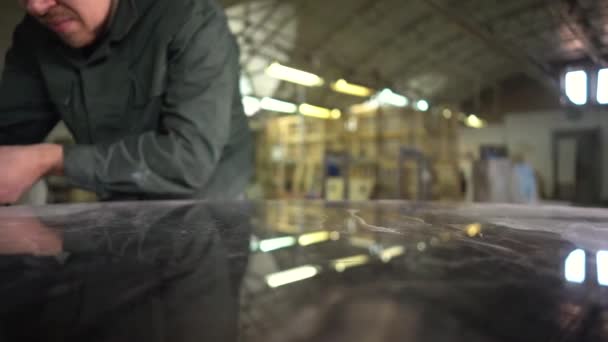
(56, 15)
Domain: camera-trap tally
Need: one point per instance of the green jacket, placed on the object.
(155, 107)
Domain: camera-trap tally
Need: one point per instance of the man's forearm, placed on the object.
(25, 165)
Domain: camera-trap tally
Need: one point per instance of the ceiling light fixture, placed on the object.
(319, 112)
(292, 75)
(275, 105)
(447, 113)
(342, 86)
(422, 105)
(474, 121)
(251, 105)
(388, 97)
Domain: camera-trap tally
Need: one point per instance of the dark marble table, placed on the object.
(303, 271)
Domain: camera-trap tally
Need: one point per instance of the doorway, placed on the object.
(577, 157)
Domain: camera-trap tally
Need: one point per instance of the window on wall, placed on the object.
(582, 86)
(576, 87)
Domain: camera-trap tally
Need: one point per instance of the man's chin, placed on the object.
(76, 42)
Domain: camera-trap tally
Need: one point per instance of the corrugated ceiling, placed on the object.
(441, 50)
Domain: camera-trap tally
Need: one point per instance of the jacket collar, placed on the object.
(124, 19)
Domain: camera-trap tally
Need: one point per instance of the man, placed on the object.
(149, 89)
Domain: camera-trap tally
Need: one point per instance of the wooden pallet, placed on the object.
(291, 152)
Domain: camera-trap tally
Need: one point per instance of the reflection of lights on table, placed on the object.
(313, 238)
(334, 236)
(343, 264)
(291, 276)
(392, 252)
(362, 242)
(445, 237)
(602, 267)
(575, 267)
(277, 243)
(473, 229)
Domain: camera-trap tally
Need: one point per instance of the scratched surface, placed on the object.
(303, 271)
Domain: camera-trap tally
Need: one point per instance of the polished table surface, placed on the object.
(303, 271)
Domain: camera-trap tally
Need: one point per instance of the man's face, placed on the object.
(77, 22)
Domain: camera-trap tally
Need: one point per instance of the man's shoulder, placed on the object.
(177, 6)
(184, 15)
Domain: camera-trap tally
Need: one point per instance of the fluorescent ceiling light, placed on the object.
(291, 276)
(292, 75)
(274, 105)
(319, 112)
(313, 238)
(245, 85)
(388, 97)
(365, 107)
(342, 86)
(576, 87)
(422, 105)
(474, 122)
(602, 268)
(253, 244)
(447, 113)
(575, 267)
(278, 243)
(602, 86)
(251, 105)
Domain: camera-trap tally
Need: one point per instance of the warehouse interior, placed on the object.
(433, 169)
(426, 100)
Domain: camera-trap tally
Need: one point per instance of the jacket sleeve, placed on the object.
(180, 158)
(26, 113)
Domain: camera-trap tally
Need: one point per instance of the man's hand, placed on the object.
(22, 166)
(26, 234)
